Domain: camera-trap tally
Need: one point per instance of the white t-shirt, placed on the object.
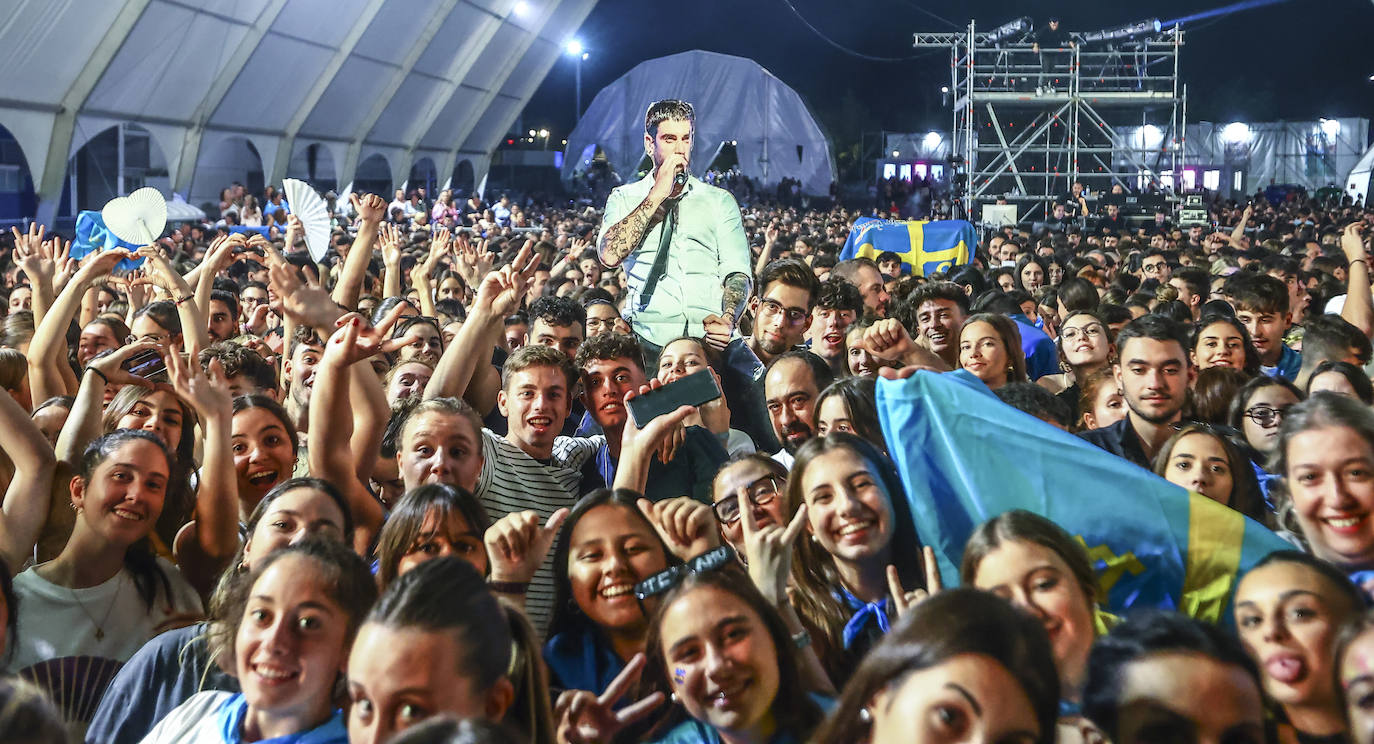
(56, 622)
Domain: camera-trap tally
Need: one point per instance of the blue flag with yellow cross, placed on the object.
(927, 247)
(965, 457)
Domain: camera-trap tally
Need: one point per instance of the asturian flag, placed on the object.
(965, 457)
(928, 247)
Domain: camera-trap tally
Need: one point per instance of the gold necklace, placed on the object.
(100, 626)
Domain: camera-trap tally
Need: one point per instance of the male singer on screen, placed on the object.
(686, 260)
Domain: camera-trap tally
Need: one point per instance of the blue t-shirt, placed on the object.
(692, 731)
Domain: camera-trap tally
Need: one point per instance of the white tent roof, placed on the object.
(406, 79)
(1360, 179)
(735, 100)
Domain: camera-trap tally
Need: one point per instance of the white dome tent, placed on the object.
(736, 100)
(291, 86)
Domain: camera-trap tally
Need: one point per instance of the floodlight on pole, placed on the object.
(521, 9)
(1235, 133)
(931, 140)
(575, 49)
(1331, 128)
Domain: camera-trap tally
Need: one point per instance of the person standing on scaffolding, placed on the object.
(1052, 43)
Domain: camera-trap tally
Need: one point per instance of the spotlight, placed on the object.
(533, 133)
(1128, 31)
(931, 140)
(1235, 133)
(896, 153)
(944, 88)
(574, 48)
(1008, 31)
(1331, 128)
(521, 9)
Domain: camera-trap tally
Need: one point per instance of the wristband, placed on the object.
(801, 640)
(183, 299)
(508, 587)
(98, 372)
(1359, 260)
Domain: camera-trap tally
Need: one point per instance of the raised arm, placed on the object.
(1239, 231)
(390, 240)
(371, 210)
(205, 546)
(48, 348)
(217, 256)
(626, 233)
(195, 333)
(420, 276)
(770, 241)
(1359, 307)
(467, 357)
(26, 499)
(331, 453)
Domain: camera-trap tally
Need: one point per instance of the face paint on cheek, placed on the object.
(680, 675)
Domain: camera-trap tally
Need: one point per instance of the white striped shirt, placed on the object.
(512, 481)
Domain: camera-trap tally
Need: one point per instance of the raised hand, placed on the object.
(888, 339)
(207, 390)
(905, 600)
(294, 230)
(715, 414)
(717, 331)
(1352, 242)
(369, 208)
(110, 366)
(100, 264)
(305, 302)
(768, 549)
(584, 718)
(389, 236)
(517, 544)
(158, 273)
(355, 341)
(685, 524)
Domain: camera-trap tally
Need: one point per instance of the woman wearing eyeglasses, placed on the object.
(862, 560)
(1085, 346)
(1257, 410)
(1326, 459)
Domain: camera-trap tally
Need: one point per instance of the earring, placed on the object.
(865, 716)
(673, 698)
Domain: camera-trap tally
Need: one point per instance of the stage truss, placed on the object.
(1028, 147)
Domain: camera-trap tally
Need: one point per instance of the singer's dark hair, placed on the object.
(669, 109)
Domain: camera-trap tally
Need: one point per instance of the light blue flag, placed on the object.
(92, 235)
(926, 247)
(965, 457)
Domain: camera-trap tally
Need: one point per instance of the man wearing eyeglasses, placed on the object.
(782, 309)
(1156, 266)
(681, 240)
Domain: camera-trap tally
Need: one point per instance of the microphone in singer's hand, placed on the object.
(680, 179)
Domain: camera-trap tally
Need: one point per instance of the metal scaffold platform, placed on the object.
(1029, 123)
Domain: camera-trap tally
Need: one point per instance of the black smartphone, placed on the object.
(692, 390)
(145, 364)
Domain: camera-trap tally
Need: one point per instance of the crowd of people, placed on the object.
(437, 486)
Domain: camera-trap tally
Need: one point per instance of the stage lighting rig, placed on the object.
(1127, 32)
(1011, 31)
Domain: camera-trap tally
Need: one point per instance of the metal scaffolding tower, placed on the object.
(1029, 124)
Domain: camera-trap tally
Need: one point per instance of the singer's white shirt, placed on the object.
(707, 245)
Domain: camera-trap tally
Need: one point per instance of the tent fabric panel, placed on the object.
(243, 11)
(277, 76)
(489, 63)
(394, 31)
(326, 24)
(348, 98)
(451, 118)
(455, 34)
(46, 44)
(170, 50)
(411, 102)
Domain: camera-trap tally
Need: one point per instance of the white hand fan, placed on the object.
(138, 218)
(314, 215)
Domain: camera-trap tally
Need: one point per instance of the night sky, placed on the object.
(1297, 59)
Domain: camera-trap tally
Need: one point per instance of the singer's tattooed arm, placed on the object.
(626, 235)
(734, 294)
